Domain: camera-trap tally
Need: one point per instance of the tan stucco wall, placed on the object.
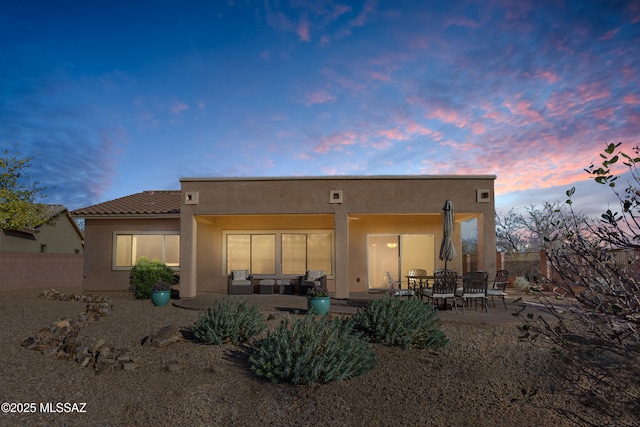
(60, 237)
(211, 270)
(422, 195)
(98, 272)
(391, 224)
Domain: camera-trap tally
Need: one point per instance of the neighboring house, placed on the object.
(352, 228)
(59, 235)
(120, 231)
(43, 256)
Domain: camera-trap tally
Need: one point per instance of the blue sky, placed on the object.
(120, 97)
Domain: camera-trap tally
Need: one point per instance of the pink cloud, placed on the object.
(609, 34)
(634, 11)
(394, 134)
(478, 128)
(593, 91)
(417, 129)
(549, 76)
(278, 20)
(324, 41)
(336, 141)
(303, 31)
(462, 22)
(178, 107)
(383, 77)
(560, 104)
(631, 99)
(368, 10)
(447, 115)
(604, 112)
(318, 97)
(523, 108)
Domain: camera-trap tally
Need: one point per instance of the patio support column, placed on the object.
(341, 267)
(188, 233)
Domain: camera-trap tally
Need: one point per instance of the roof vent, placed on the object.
(191, 198)
(483, 196)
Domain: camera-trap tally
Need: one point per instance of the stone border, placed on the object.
(66, 338)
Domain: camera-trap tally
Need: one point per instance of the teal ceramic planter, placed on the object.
(160, 298)
(319, 304)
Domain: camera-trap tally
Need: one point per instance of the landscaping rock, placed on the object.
(66, 339)
(165, 336)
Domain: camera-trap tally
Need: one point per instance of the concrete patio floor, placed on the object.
(291, 303)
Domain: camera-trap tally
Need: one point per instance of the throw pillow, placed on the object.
(314, 274)
(240, 274)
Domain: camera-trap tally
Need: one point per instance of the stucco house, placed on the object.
(353, 228)
(120, 231)
(59, 235)
(44, 255)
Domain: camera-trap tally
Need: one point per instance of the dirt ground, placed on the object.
(486, 377)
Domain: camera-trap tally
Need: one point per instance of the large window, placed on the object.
(301, 252)
(253, 252)
(280, 252)
(129, 247)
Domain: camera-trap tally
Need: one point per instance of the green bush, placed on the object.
(228, 320)
(402, 323)
(147, 273)
(312, 350)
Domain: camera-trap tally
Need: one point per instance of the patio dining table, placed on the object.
(424, 284)
(417, 283)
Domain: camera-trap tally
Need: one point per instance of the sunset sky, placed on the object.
(119, 97)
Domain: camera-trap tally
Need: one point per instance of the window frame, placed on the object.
(114, 247)
(278, 248)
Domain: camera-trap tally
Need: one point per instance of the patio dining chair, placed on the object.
(474, 288)
(444, 287)
(499, 286)
(395, 287)
(416, 279)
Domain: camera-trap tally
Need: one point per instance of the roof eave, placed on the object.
(127, 216)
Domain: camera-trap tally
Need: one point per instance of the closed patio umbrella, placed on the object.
(447, 250)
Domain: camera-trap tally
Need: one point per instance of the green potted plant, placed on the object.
(161, 294)
(318, 299)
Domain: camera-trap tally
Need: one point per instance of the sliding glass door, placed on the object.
(398, 253)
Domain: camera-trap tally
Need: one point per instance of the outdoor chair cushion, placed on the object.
(240, 274)
(313, 275)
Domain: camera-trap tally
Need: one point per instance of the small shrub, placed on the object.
(402, 323)
(229, 320)
(521, 282)
(147, 273)
(312, 350)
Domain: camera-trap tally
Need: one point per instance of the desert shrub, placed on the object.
(521, 282)
(312, 350)
(402, 323)
(147, 273)
(596, 327)
(229, 320)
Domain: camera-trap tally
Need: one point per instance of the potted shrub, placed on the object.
(146, 273)
(161, 294)
(318, 299)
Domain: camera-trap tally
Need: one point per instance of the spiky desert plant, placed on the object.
(229, 320)
(312, 350)
(402, 323)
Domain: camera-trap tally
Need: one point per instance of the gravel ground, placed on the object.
(478, 380)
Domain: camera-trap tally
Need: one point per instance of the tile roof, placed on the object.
(162, 202)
